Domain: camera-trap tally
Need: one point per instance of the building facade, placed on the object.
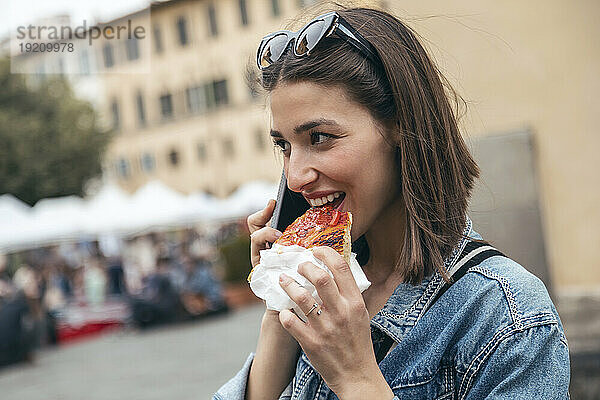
(191, 118)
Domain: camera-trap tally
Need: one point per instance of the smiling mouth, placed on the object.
(333, 200)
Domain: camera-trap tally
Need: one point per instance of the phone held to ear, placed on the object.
(290, 205)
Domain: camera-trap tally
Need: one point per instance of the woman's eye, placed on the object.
(319, 137)
(316, 138)
(282, 144)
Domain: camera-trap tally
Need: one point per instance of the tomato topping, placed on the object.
(335, 218)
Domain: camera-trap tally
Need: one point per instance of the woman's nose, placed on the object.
(299, 172)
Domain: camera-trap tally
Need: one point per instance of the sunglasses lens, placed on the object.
(310, 36)
(272, 50)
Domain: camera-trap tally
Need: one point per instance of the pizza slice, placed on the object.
(320, 226)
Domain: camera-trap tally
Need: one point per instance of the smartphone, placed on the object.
(290, 205)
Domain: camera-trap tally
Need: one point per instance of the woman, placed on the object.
(358, 107)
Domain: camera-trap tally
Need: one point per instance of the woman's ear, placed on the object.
(389, 131)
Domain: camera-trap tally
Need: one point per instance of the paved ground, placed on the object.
(191, 361)
(188, 361)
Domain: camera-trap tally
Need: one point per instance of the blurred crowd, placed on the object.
(158, 277)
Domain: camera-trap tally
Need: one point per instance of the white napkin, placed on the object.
(265, 277)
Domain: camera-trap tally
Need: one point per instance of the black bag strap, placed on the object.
(473, 254)
(382, 346)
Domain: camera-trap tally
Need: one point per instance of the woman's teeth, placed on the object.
(324, 200)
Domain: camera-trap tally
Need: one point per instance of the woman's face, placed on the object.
(331, 144)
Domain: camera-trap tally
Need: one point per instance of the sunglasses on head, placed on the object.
(306, 39)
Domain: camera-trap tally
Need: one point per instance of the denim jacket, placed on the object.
(493, 334)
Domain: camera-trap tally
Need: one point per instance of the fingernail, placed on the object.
(283, 278)
(278, 234)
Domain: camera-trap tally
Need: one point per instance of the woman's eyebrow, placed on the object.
(307, 126)
(312, 124)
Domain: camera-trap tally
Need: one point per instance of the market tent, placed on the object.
(12, 210)
(113, 212)
(106, 210)
(14, 216)
(248, 198)
(200, 206)
(153, 205)
(48, 221)
(60, 217)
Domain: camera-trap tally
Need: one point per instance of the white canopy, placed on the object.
(106, 210)
(113, 212)
(12, 210)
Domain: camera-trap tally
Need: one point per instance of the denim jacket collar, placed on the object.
(406, 305)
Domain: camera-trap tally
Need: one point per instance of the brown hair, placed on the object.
(406, 94)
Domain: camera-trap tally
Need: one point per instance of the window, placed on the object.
(166, 106)
(141, 111)
(220, 92)
(207, 96)
(147, 162)
(228, 148)
(123, 168)
(275, 8)
(182, 31)
(212, 20)
(158, 45)
(132, 49)
(202, 154)
(196, 99)
(243, 12)
(209, 91)
(116, 118)
(174, 157)
(107, 51)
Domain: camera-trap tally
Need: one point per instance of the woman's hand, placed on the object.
(260, 233)
(277, 351)
(338, 339)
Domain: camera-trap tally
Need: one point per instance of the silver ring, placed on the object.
(313, 308)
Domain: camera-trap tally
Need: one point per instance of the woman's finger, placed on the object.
(297, 293)
(294, 326)
(258, 242)
(260, 218)
(340, 270)
(323, 282)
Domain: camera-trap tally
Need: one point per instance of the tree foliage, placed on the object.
(50, 143)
